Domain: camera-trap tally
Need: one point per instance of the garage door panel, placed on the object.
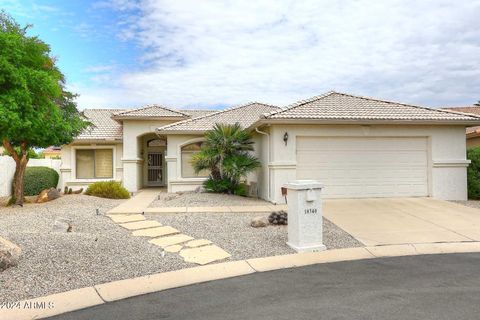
(365, 167)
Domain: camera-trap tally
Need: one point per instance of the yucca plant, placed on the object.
(226, 154)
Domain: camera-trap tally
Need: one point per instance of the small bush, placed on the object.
(37, 179)
(473, 173)
(107, 189)
(241, 190)
(218, 186)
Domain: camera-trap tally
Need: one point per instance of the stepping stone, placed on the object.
(204, 255)
(198, 243)
(141, 225)
(174, 248)
(155, 232)
(170, 240)
(122, 218)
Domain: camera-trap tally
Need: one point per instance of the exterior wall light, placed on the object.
(285, 138)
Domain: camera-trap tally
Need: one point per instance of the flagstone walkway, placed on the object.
(171, 240)
(130, 215)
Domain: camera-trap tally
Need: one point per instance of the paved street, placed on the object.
(415, 287)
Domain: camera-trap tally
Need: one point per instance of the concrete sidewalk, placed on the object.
(222, 209)
(138, 203)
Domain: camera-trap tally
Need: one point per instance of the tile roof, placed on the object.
(150, 111)
(103, 126)
(245, 115)
(470, 110)
(198, 112)
(341, 106)
(466, 109)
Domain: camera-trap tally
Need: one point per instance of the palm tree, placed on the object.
(226, 154)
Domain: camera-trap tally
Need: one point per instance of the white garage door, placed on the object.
(365, 167)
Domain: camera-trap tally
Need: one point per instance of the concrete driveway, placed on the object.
(382, 221)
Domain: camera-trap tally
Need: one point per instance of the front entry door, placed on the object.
(155, 169)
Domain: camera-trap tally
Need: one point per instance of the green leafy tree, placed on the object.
(473, 173)
(226, 154)
(35, 108)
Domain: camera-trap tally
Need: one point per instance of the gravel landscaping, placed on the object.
(470, 203)
(194, 199)
(99, 251)
(233, 233)
(96, 251)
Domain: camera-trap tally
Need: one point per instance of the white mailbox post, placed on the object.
(305, 219)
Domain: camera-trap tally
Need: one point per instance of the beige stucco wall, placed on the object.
(68, 168)
(447, 153)
(177, 183)
(132, 159)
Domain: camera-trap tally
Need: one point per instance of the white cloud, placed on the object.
(203, 53)
(99, 68)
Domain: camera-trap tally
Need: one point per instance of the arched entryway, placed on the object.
(154, 167)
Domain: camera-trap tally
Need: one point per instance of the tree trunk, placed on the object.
(21, 161)
(18, 195)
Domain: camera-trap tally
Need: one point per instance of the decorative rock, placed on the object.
(9, 254)
(62, 225)
(48, 195)
(259, 222)
(204, 255)
(200, 189)
(197, 243)
(278, 217)
(174, 248)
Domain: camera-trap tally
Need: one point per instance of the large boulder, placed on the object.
(259, 222)
(9, 254)
(48, 195)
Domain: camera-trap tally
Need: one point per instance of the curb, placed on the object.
(99, 294)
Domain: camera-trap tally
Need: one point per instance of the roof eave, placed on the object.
(102, 140)
(122, 118)
(170, 132)
(365, 121)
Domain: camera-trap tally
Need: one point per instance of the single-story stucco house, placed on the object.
(357, 146)
(472, 133)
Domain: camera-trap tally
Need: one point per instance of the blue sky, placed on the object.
(210, 54)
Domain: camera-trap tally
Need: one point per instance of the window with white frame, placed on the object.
(94, 163)
(187, 153)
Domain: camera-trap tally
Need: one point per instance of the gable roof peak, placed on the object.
(335, 105)
(228, 115)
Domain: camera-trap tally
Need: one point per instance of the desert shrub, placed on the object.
(473, 173)
(37, 179)
(107, 189)
(226, 154)
(218, 186)
(241, 190)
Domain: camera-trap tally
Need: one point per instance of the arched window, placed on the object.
(156, 143)
(187, 153)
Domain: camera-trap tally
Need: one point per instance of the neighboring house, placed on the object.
(52, 152)
(473, 133)
(356, 146)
